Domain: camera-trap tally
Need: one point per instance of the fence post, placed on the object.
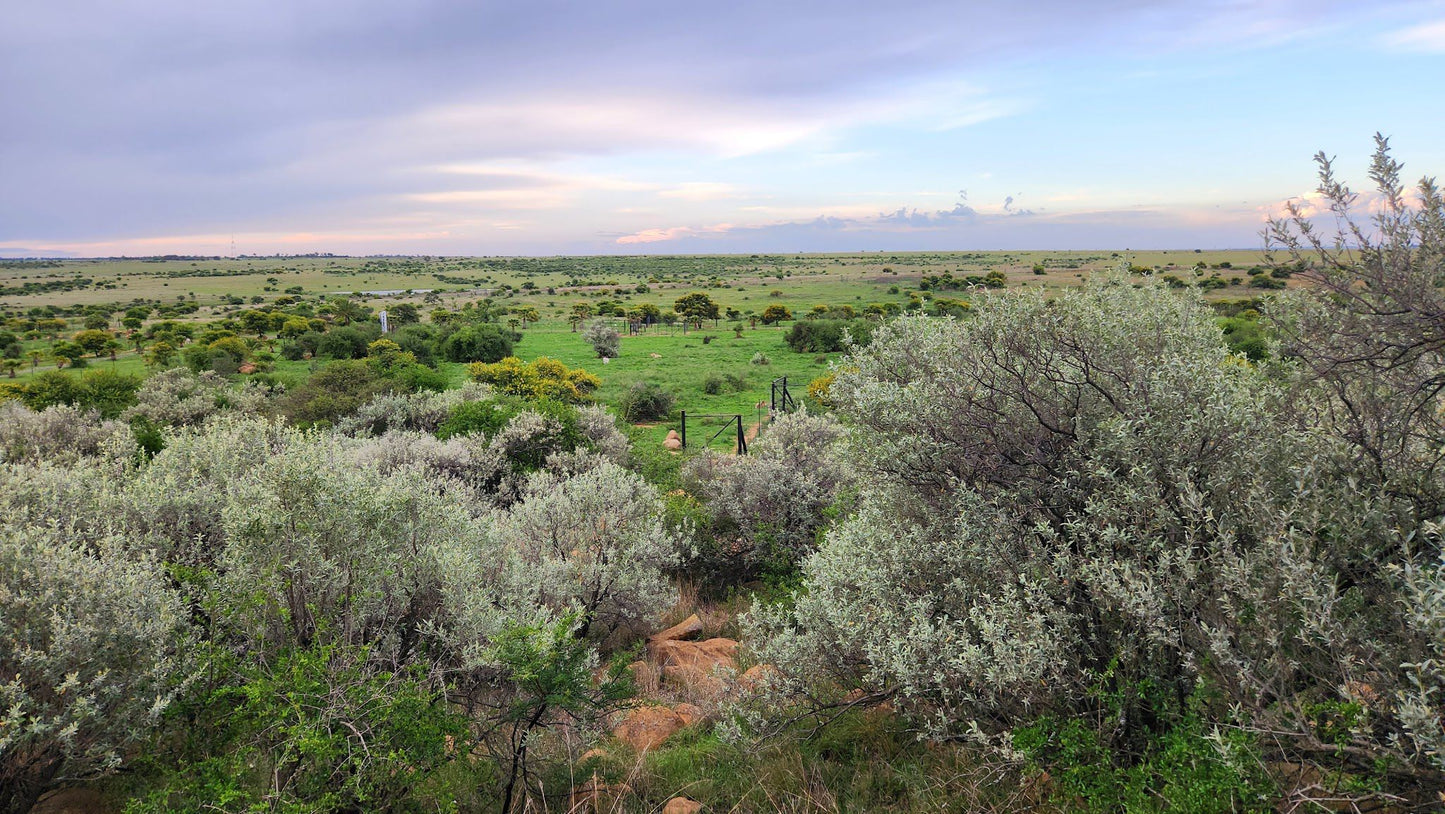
(742, 442)
(684, 429)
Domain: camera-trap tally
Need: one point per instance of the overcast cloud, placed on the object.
(541, 128)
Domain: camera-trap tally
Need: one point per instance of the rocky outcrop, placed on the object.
(689, 628)
(644, 728)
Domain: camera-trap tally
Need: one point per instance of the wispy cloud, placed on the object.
(1423, 38)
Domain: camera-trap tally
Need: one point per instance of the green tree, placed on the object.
(71, 353)
(774, 314)
(481, 342)
(696, 307)
(93, 341)
(161, 354)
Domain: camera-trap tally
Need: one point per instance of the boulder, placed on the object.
(674, 441)
(681, 805)
(689, 628)
(644, 676)
(706, 655)
(691, 714)
(644, 728)
(696, 682)
(590, 755)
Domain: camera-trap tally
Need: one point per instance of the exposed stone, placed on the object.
(696, 682)
(644, 728)
(681, 805)
(689, 628)
(674, 441)
(644, 676)
(691, 714)
(706, 655)
(591, 754)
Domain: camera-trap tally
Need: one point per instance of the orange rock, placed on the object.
(691, 714)
(644, 728)
(681, 805)
(702, 655)
(644, 676)
(591, 754)
(688, 628)
(695, 680)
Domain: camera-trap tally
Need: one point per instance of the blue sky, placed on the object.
(564, 128)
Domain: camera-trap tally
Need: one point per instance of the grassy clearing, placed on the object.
(681, 364)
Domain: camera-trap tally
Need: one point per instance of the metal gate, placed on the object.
(782, 398)
(734, 422)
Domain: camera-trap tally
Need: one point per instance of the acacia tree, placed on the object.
(696, 307)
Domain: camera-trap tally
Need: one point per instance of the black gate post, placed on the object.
(742, 442)
(684, 429)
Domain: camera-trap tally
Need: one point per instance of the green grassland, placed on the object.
(677, 360)
(738, 281)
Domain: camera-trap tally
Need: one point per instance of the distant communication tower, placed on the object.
(233, 245)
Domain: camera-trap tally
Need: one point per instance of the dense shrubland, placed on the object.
(1114, 549)
(344, 594)
(1084, 527)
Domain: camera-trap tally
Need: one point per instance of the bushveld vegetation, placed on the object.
(1118, 546)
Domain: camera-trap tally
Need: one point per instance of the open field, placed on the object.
(677, 360)
(739, 281)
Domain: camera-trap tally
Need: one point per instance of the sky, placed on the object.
(552, 128)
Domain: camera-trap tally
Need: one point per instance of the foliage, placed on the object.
(541, 379)
(772, 500)
(181, 398)
(828, 335)
(596, 546)
(478, 342)
(1183, 769)
(325, 729)
(1367, 344)
(549, 673)
(646, 401)
(424, 411)
(1056, 491)
(774, 314)
(104, 391)
(58, 435)
(92, 655)
(696, 307)
(603, 338)
(343, 343)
